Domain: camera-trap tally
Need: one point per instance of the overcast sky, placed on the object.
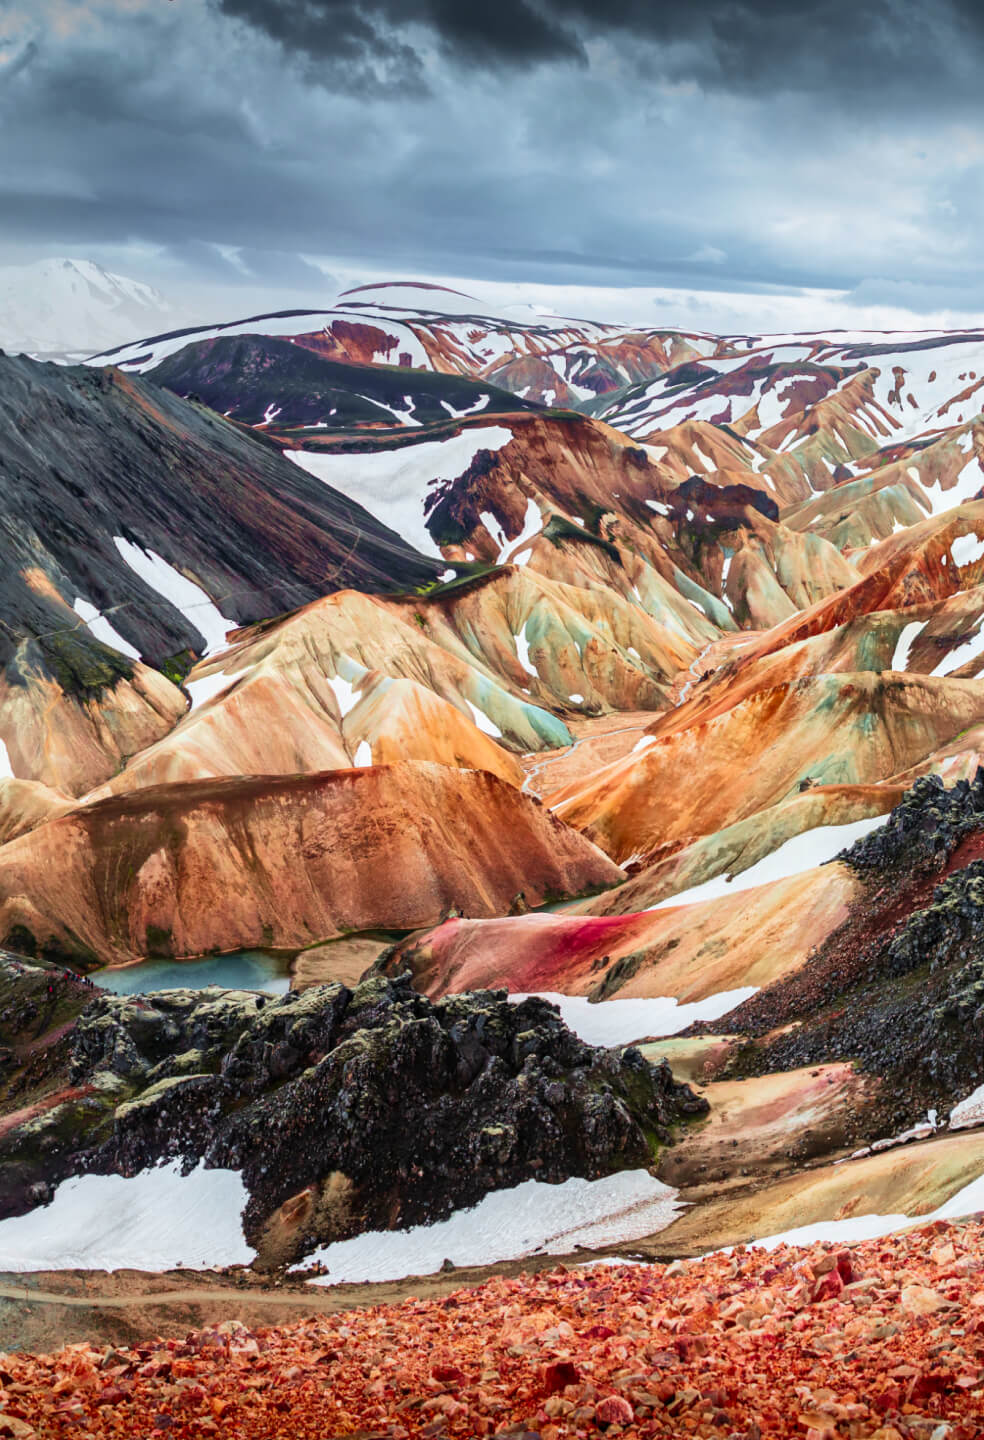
(712, 153)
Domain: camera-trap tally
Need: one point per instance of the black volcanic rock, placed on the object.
(924, 828)
(411, 1108)
(251, 376)
(729, 502)
(899, 987)
(87, 455)
(916, 1016)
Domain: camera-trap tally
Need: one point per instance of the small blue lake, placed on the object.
(244, 970)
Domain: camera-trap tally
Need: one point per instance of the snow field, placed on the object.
(532, 1218)
(801, 852)
(394, 484)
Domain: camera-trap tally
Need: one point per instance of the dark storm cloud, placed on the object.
(734, 44)
(475, 31)
(710, 143)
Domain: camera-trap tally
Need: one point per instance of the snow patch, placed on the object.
(155, 1220)
(207, 688)
(532, 525)
(969, 1111)
(905, 642)
(968, 483)
(621, 1022)
(346, 694)
(801, 852)
(523, 651)
(971, 648)
(482, 403)
(487, 726)
(362, 758)
(99, 627)
(871, 1227)
(528, 1219)
(6, 769)
(182, 593)
(966, 549)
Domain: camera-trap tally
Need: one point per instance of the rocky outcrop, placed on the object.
(347, 1110)
(923, 830)
(283, 862)
(912, 1012)
(898, 986)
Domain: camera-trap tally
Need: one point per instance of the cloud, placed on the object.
(736, 145)
(825, 46)
(707, 255)
(366, 32)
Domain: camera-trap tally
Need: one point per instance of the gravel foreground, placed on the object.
(884, 1340)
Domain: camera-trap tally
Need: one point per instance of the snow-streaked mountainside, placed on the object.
(437, 653)
(545, 358)
(68, 308)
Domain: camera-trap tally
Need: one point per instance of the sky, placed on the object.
(695, 161)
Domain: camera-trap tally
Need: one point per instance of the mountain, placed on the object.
(636, 670)
(238, 374)
(62, 308)
(549, 360)
(139, 530)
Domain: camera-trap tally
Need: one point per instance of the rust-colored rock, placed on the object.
(284, 862)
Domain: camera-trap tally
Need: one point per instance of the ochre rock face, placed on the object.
(843, 729)
(73, 741)
(257, 861)
(25, 804)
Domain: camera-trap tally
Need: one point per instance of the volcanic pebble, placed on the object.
(885, 1340)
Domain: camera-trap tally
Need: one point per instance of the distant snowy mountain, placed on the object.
(69, 308)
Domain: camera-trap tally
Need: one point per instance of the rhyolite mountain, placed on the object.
(264, 379)
(628, 665)
(548, 359)
(125, 512)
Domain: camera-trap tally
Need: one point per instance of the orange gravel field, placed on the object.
(882, 1340)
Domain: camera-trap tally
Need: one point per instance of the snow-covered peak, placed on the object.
(66, 306)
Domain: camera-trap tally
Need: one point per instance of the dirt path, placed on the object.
(597, 742)
(43, 1311)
